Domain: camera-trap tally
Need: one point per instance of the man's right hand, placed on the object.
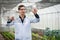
(12, 18)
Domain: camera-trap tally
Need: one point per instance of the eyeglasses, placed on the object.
(22, 9)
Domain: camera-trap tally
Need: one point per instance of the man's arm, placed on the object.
(37, 18)
(36, 15)
(10, 21)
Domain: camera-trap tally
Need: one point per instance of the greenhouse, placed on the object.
(48, 28)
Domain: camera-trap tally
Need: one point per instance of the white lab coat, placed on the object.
(23, 30)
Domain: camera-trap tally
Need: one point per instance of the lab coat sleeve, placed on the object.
(36, 19)
(10, 23)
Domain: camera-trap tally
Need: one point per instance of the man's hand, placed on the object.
(12, 18)
(34, 10)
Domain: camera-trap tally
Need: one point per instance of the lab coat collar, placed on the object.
(22, 20)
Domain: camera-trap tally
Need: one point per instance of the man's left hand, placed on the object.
(34, 10)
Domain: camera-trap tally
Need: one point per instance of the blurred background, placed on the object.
(49, 11)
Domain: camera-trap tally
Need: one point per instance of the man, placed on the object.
(22, 24)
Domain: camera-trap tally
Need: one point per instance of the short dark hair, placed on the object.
(20, 6)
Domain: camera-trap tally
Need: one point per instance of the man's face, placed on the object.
(22, 11)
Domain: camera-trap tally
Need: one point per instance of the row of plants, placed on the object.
(48, 35)
(35, 36)
(7, 35)
(44, 37)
